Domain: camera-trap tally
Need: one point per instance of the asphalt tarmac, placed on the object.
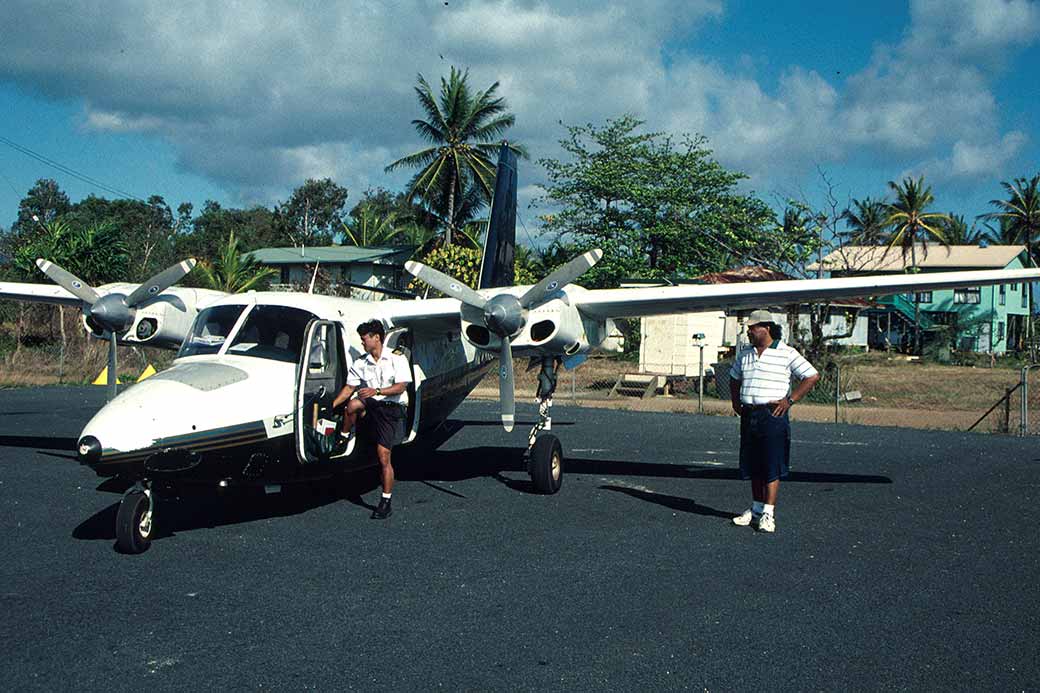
(903, 560)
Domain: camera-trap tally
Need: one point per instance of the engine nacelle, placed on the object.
(163, 321)
(556, 327)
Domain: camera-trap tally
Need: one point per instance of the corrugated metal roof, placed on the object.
(331, 254)
(872, 258)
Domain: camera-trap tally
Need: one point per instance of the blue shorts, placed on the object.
(765, 444)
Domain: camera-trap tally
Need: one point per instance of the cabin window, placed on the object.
(271, 332)
(210, 330)
(971, 294)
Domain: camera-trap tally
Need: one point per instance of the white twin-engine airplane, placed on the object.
(246, 401)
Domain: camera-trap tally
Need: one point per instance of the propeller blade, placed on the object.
(445, 284)
(561, 277)
(505, 385)
(160, 282)
(113, 379)
(68, 281)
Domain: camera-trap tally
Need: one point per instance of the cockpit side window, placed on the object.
(272, 332)
(210, 330)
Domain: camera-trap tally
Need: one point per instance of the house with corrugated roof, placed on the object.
(371, 272)
(987, 319)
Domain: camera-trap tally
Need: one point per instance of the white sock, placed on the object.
(386, 496)
(768, 509)
(756, 508)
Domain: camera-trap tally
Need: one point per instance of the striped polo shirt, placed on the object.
(767, 378)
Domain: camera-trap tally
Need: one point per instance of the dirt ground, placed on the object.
(895, 392)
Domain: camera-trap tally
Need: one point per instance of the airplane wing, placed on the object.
(629, 303)
(38, 293)
(423, 315)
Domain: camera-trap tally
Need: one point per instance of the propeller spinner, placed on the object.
(505, 315)
(114, 313)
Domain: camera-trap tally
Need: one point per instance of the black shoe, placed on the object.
(383, 511)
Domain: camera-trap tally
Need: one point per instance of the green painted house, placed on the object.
(988, 319)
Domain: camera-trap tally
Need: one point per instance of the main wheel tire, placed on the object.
(546, 464)
(134, 527)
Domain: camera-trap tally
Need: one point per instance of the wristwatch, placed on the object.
(790, 401)
(379, 392)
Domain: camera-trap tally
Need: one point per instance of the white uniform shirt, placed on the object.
(389, 370)
(767, 378)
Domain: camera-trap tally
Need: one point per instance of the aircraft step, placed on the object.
(639, 385)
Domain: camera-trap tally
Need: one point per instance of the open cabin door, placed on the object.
(399, 340)
(320, 376)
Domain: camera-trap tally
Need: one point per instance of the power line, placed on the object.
(65, 169)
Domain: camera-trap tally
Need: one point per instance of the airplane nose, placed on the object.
(89, 450)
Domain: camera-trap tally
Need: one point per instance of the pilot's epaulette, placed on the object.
(399, 351)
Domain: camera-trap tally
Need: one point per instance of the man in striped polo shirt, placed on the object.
(760, 391)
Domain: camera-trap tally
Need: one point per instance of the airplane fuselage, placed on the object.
(232, 415)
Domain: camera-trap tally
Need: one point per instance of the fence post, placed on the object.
(574, 396)
(837, 389)
(1023, 424)
(700, 383)
(1005, 425)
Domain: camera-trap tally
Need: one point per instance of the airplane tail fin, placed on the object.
(496, 267)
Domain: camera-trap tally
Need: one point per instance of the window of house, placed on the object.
(1002, 296)
(922, 297)
(971, 294)
(1000, 331)
(1025, 295)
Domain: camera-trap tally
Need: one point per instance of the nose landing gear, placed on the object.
(544, 452)
(134, 525)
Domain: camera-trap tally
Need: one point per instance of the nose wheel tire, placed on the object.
(134, 527)
(546, 464)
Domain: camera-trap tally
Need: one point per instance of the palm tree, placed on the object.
(912, 224)
(370, 229)
(1019, 218)
(866, 221)
(462, 128)
(232, 271)
(957, 231)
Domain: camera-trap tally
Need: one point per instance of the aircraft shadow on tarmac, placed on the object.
(489, 461)
(39, 442)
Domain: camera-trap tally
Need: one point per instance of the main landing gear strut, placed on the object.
(544, 453)
(134, 526)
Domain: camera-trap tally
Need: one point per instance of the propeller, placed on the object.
(114, 313)
(504, 315)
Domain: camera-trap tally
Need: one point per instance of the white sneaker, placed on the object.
(746, 518)
(766, 523)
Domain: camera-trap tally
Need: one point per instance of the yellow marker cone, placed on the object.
(102, 378)
(148, 373)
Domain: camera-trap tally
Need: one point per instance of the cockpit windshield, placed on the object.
(210, 330)
(272, 332)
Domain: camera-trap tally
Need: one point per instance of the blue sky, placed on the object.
(207, 101)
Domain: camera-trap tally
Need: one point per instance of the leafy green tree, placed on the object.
(313, 213)
(206, 235)
(461, 127)
(463, 264)
(43, 203)
(657, 206)
(232, 270)
(865, 221)
(146, 227)
(912, 225)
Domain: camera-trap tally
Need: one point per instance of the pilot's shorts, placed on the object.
(386, 420)
(765, 444)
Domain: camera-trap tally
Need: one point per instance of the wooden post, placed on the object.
(1005, 424)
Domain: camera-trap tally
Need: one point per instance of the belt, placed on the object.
(759, 406)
